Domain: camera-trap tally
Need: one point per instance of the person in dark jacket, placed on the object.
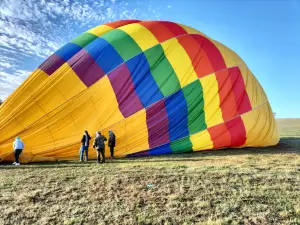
(85, 142)
(100, 146)
(111, 143)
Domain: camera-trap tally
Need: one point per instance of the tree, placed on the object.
(1, 101)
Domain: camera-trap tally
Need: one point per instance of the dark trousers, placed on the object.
(100, 152)
(17, 154)
(112, 151)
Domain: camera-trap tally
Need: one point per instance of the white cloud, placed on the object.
(6, 64)
(10, 81)
(169, 6)
(15, 78)
(36, 28)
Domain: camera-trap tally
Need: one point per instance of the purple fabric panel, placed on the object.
(86, 68)
(124, 89)
(158, 124)
(52, 64)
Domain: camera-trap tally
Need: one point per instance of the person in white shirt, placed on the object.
(18, 146)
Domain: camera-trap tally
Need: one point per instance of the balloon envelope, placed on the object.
(161, 87)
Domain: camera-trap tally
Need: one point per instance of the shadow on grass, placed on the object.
(286, 145)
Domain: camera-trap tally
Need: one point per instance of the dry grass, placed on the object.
(260, 186)
(243, 186)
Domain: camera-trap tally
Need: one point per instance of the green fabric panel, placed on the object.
(193, 94)
(182, 145)
(84, 39)
(162, 71)
(123, 43)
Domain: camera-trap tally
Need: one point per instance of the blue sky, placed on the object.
(266, 34)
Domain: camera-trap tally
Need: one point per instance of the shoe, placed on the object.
(17, 164)
(14, 163)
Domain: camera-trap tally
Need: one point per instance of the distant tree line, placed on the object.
(1, 101)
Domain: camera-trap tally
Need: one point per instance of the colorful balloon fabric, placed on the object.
(161, 87)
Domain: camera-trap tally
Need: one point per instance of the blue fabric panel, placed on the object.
(163, 149)
(67, 51)
(104, 54)
(144, 83)
(178, 115)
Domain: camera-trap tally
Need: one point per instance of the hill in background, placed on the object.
(289, 127)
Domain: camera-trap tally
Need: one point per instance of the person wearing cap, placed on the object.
(100, 146)
(112, 143)
(18, 146)
(85, 142)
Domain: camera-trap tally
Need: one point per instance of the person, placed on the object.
(85, 142)
(18, 146)
(112, 143)
(100, 146)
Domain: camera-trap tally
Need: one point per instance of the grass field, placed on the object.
(243, 186)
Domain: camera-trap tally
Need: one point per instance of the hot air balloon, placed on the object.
(162, 87)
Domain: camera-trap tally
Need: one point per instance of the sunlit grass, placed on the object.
(244, 186)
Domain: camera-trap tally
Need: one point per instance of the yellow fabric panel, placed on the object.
(50, 100)
(37, 141)
(42, 159)
(191, 30)
(137, 132)
(180, 62)
(9, 130)
(260, 127)
(100, 30)
(86, 117)
(63, 129)
(70, 84)
(213, 113)
(141, 35)
(254, 90)
(23, 92)
(274, 137)
(201, 141)
(50, 96)
(70, 151)
(5, 149)
(105, 102)
(30, 115)
(31, 110)
(6, 155)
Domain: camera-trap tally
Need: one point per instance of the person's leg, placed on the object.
(86, 153)
(111, 151)
(98, 156)
(81, 152)
(16, 156)
(103, 155)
